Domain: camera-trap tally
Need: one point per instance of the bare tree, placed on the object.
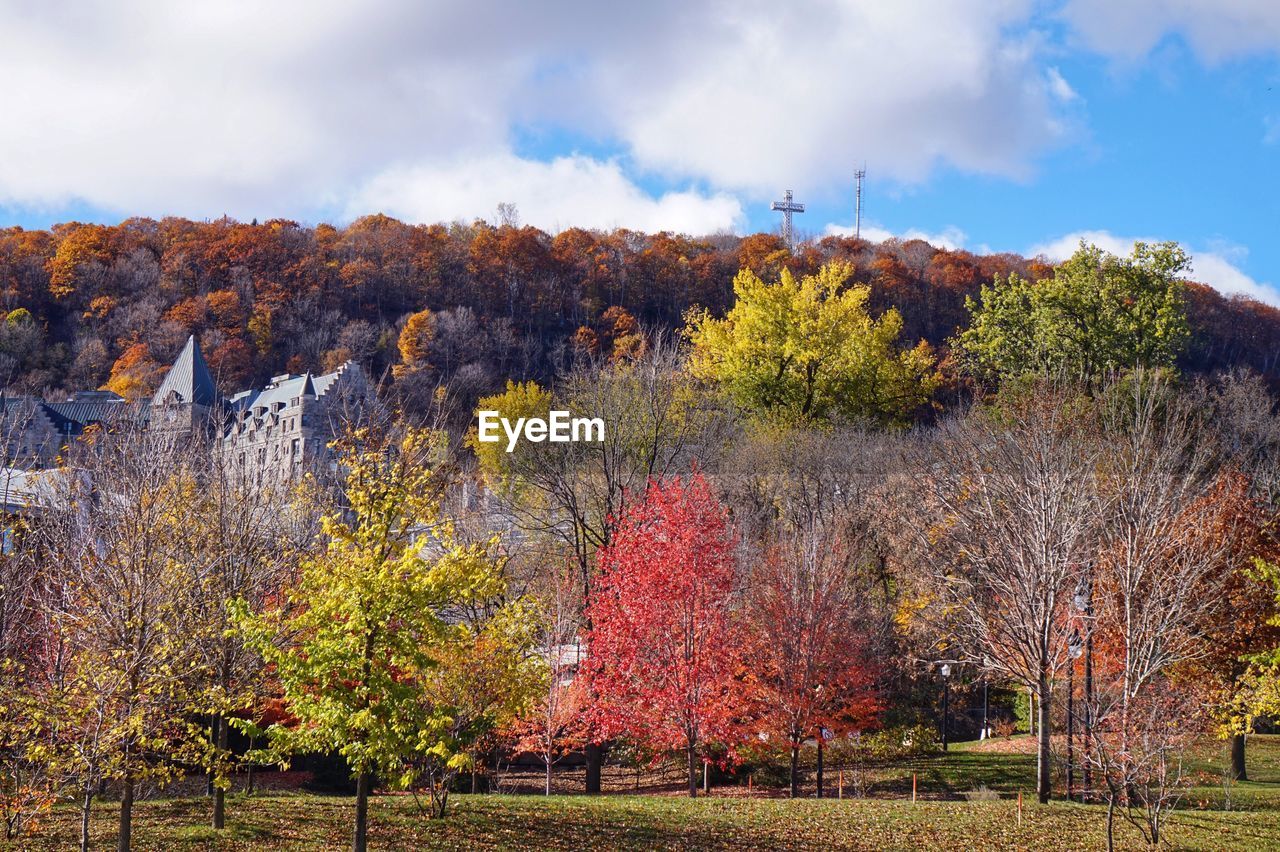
(555, 723)
(1168, 550)
(1010, 518)
(1141, 764)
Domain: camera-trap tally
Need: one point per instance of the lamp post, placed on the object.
(945, 671)
(1083, 601)
(1075, 647)
(986, 717)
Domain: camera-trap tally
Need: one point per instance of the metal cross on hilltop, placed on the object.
(787, 206)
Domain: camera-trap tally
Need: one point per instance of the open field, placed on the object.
(943, 818)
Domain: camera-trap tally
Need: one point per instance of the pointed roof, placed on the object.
(189, 377)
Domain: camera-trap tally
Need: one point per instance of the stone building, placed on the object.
(33, 431)
(270, 434)
(285, 427)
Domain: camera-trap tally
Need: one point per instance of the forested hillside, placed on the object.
(91, 305)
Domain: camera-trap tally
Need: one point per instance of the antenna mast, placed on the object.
(857, 216)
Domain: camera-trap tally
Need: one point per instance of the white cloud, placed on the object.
(766, 95)
(950, 237)
(1060, 88)
(301, 107)
(1217, 30)
(1216, 266)
(568, 191)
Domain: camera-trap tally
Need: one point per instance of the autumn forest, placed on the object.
(112, 305)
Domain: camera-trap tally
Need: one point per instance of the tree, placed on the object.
(245, 544)
(807, 348)
(811, 636)
(1139, 757)
(119, 542)
(555, 723)
(655, 422)
(135, 374)
(1174, 532)
(1240, 412)
(28, 784)
(415, 342)
(663, 645)
(1009, 522)
(377, 671)
(1098, 314)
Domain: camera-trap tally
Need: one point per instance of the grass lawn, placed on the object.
(888, 820)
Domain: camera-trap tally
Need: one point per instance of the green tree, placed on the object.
(388, 620)
(1257, 691)
(806, 348)
(1099, 313)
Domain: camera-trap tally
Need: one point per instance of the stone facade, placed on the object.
(269, 434)
(33, 431)
(284, 428)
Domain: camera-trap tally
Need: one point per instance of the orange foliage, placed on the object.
(135, 374)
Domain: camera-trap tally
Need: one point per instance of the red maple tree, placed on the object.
(663, 647)
(812, 641)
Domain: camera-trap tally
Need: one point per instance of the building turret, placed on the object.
(187, 397)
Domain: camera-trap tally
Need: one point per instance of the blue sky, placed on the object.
(1002, 125)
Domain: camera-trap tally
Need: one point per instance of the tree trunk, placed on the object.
(248, 781)
(1088, 711)
(209, 786)
(359, 841)
(693, 770)
(594, 753)
(819, 763)
(795, 770)
(1111, 824)
(85, 809)
(1043, 779)
(125, 839)
(1238, 771)
(548, 777)
(220, 794)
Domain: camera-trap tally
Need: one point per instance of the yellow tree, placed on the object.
(415, 343)
(117, 540)
(806, 348)
(388, 624)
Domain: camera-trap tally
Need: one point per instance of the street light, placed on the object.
(986, 705)
(1083, 600)
(945, 671)
(1075, 648)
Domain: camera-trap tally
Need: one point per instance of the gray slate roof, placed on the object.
(190, 377)
(73, 417)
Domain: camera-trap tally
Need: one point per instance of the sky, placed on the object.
(991, 125)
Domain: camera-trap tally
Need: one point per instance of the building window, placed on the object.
(297, 447)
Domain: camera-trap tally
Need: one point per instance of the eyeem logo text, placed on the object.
(558, 427)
